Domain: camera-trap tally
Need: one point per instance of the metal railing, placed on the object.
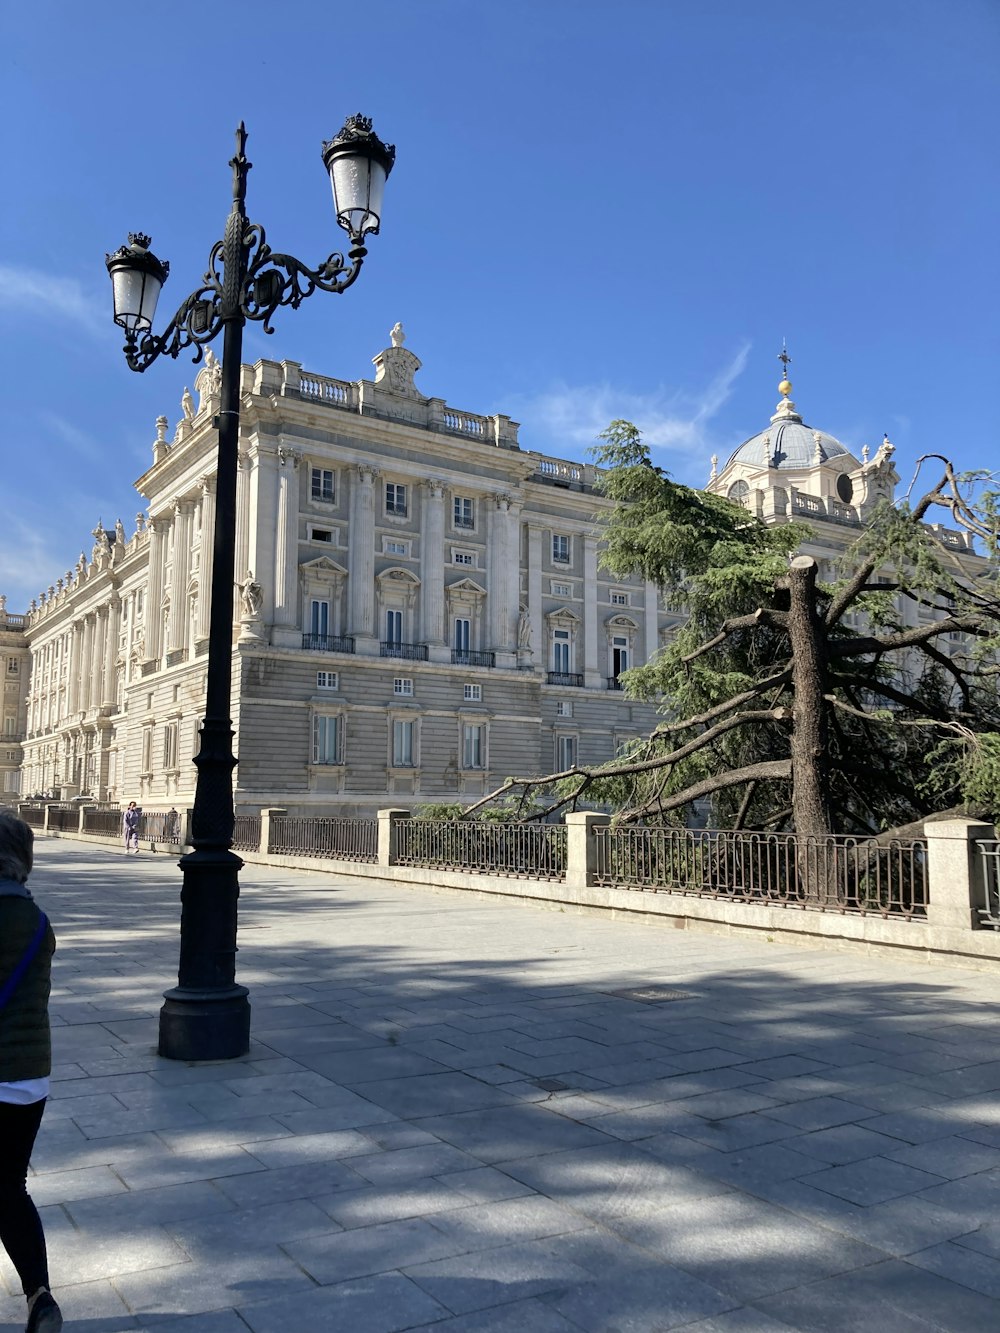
(32, 814)
(988, 906)
(160, 826)
(328, 643)
(471, 657)
(106, 823)
(614, 683)
(341, 839)
(521, 850)
(413, 652)
(64, 819)
(246, 833)
(564, 678)
(834, 874)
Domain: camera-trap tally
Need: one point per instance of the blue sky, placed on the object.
(598, 210)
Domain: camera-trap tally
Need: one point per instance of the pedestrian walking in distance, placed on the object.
(26, 947)
(130, 828)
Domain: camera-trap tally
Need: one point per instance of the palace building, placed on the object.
(420, 613)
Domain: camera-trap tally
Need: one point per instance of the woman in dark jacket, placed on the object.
(26, 947)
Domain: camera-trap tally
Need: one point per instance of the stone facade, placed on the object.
(420, 610)
(14, 668)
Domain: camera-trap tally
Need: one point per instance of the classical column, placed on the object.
(652, 620)
(111, 649)
(72, 670)
(361, 578)
(499, 558)
(154, 589)
(432, 563)
(180, 576)
(260, 544)
(539, 647)
(241, 564)
(592, 673)
(286, 550)
(206, 554)
(86, 662)
(97, 660)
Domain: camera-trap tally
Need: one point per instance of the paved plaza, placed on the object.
(452, 1117)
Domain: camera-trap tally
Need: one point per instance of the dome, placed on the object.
(788, 443)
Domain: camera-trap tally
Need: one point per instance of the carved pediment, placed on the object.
(563, 613)
(623, 623)
(468, 586)
(322, 566)
(398, 575)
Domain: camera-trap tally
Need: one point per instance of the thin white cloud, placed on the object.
(79, 441)
(29, 560)
(28, 292)
(672, 419)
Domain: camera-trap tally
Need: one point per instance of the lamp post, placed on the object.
(206, 1016)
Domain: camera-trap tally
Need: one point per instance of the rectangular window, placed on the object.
(402, 685)
(395, 499)
(560, 651)
(8, 726)
(472, 693)
(322, 535)
(319, 619)
(619, 655)
(619, 599)
(170, 745)
(147, 749)
(463, 558)
(327, 680)
(463, 512)
(402, 744)
(463, 635)
(396, 548)
(565, 752)
(326, 740)
(394, 627)
(560, 549)
(12, 666)
(564, 708)
(321, 485)
(473, 745)
(562, 590)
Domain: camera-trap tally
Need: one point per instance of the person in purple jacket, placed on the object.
(26, 947)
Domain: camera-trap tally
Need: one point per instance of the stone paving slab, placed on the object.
(451, 1118)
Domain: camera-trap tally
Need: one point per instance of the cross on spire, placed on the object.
(784, 358)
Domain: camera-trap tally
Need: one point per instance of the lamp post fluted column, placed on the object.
(206, 1016)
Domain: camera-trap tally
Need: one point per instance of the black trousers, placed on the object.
(20, 1226)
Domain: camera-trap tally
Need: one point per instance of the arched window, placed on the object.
(739, 492)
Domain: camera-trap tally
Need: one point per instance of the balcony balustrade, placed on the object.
(564, 678)
(614, 683)
(413, 652)
(468, 657)
(328, 643)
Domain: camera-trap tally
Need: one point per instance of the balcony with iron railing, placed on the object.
(328, 643)
(614, 683)
(473, 658)
(564, 678)
(412, 652)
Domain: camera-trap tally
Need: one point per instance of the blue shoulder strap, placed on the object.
(27, 958)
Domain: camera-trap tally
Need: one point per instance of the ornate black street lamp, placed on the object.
(206, 1016)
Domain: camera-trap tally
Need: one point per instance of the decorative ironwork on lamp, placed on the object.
(207, 1015)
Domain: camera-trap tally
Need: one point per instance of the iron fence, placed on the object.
(522, 850)
(106, 822)
(64, 819)
(32, 814)
(343, 839)
(246, 833)
(833, 874)
(988, 906)
(160, 826)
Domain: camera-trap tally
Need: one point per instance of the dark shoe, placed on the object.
(44, 1316)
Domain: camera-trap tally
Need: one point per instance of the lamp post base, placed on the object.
(204, 1024)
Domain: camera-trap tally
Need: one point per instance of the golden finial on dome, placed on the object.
(785, 387)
